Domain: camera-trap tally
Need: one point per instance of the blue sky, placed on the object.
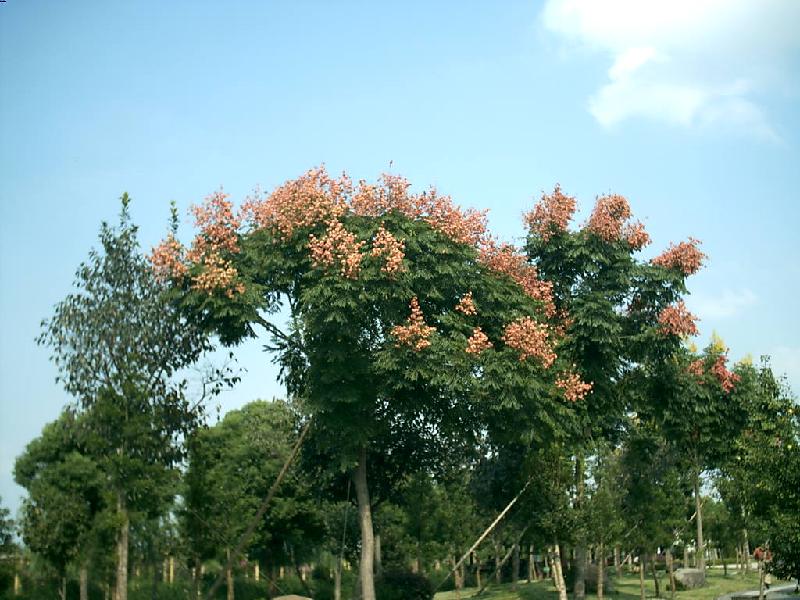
(689, 109)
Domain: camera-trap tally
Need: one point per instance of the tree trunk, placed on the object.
(458, 583)
(746, 551)
(617, 562)
(478, 572)
(655, 577)
(579, 568)
(337, 582)
(84, 582)
(515, 568)
(229, 574)
(701, 559)
(365, 521)
(378, 562)
(531, 564)
(122, 549)
(601, 570)
(558, 574)
(498, 576)
(641, 577)
(671, 574)
(197, 575)
(62, 588)
(685, 557)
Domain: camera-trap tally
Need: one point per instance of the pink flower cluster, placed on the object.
(551, 214)
(218, 274)
(168, 259)
(337, 247)
(316, 198)
(677, 320)
(574, 387)
(311, 199)
(686, 257)
(695, 368)
(392, 194)
(466, 305)
(478, 342)
(218, 236)
(635, 235)
(218, 227)
(530, 338)
(392, 249)
(504, 259)
(608, 217)
(415, 332)
(727, 379)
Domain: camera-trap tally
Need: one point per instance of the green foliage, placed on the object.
(232, 465)
(63, 516)
(403, 585)
(653, 502)
(761, 479)
(118, 345)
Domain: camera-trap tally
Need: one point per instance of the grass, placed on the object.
(626, 588)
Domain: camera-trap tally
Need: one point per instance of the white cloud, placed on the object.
(694, 63)
(721, 306)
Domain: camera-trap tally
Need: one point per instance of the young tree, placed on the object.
(401, 313)
(764, 468)
(63, 513)
(118, 346)
(231, 467)
(8, 549)
(617, 309)
(701, 408)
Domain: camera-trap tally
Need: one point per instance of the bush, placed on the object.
(404, 585)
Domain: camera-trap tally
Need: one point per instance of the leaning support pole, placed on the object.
(484, 534)
(502, 562)
(261, 511)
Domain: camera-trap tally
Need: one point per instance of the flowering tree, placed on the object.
(618, 311)
(403, 314)
(701, 407)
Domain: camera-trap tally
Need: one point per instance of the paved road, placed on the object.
(773, 593)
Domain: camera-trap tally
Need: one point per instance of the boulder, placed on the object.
(689, 579)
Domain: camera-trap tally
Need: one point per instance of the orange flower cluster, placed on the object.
(727, 379)
(574, 387)
(530, 339)
(478, 342)
(309, 200)
(635, 235)
(392, 194)
(505, 259)
(168, 259)
(608, 217)
(695, 368)
(388, 246)
(217, 274)
(316, 198)
(466, 305)
(218, 226)
(677, 320)
(337, 247)
(415, 333)
(686, 257)
(551, 214)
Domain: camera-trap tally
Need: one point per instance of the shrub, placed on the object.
(403, 585)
